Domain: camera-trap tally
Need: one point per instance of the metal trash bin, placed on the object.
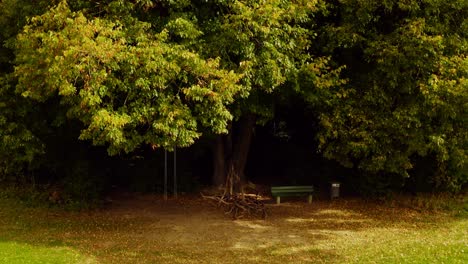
(335, 190)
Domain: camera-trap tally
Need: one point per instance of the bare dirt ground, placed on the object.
(190, 230)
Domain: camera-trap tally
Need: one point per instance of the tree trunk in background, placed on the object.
(230, 151)
(219, 161)
(242, 146)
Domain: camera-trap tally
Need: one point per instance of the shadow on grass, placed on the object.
(353, 215)
(187, 230)
(153, 231)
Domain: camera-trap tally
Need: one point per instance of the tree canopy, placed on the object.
(387, 80)
(407, 91)
(126, 83)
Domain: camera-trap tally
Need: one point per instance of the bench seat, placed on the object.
(285, 191)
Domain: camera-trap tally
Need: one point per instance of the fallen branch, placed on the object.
(240, 205)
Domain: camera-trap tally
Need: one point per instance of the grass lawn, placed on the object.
(14, 252)
(146, 229)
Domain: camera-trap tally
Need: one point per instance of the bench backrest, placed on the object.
(284, 190)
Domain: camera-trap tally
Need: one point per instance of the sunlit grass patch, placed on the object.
(252, 225)
(444, 244)
(14, 252)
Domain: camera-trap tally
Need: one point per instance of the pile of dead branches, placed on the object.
(238, 204)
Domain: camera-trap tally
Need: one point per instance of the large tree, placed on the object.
(160, 73)
(267, 42)
(407, 94)
(128, 83)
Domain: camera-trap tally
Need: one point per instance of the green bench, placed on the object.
(283, 191)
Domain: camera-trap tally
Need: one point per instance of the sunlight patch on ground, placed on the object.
(242, 245)
(254, 243)
(14, 252)
(251, 225)
(336, 213)
(300, 220)
(334, 220)
(398, 245)
(292, 249)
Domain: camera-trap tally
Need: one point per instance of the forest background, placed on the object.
(369, 93)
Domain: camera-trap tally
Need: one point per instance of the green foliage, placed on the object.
(127, 84)
(387, 79)
(19, 144)
(13, 16)
(407, 69)
(267, 42)
(78, 192)
(457, 205)
(26, 195)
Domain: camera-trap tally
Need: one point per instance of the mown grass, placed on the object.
(440, 244)
(189, 231)
(14, 252)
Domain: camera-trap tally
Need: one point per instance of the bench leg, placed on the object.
(310, 199)
(278, 200)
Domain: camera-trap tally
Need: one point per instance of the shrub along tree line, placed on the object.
(386, 80)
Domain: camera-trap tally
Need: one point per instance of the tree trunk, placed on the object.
(230, 152)
(242, 146)
(219, 161)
